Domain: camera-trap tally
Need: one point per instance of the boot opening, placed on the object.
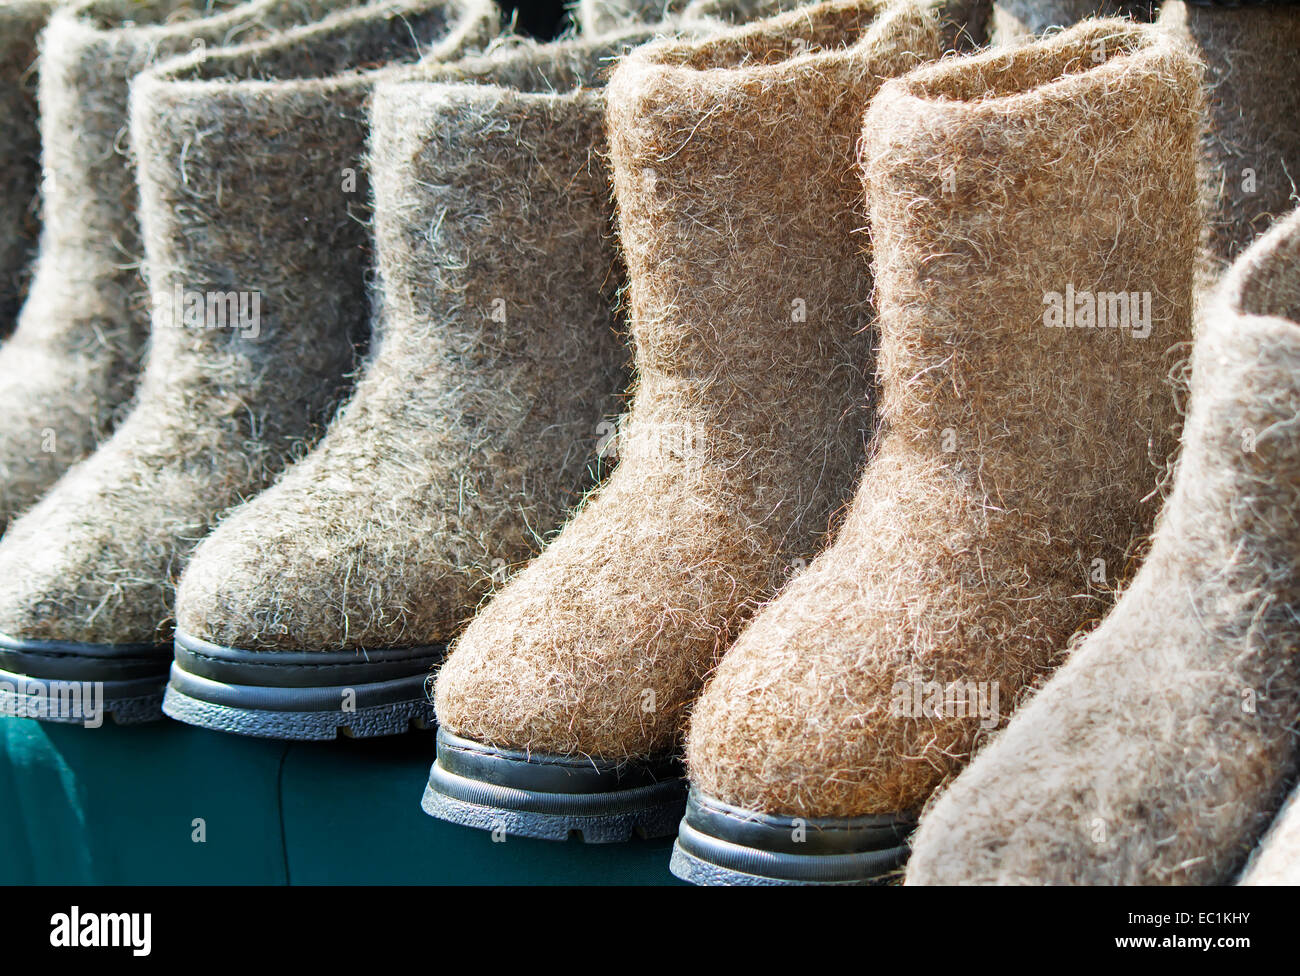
(1267, 283)
(1032, 67)
(540, 69)
(828, 26)
(109, 15)
(342, 44)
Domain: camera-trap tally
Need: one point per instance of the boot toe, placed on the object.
(578, 655)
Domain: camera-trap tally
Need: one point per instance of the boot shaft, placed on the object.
(733, 174)
(1033, 268)
(255, 208)
(492, 199)
(21, 22)
(1238, 485)
(87, 63)
(87, 276)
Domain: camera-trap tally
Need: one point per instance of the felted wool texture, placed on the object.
(245, 190)
(1158, 753)
(732, 164)
(1018, 21)
(69, 369)
(497, 355)
(21, 22)
(1277, 859)
(1251, 141)
(1010, 455)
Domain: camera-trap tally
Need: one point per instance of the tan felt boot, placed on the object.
(1033, 276)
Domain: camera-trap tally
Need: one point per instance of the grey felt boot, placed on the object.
(322, 604)
(254, 211)
(71, 365)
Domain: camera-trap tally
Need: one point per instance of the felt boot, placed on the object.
(21, 22)
(1158, 753)
(70, 367)
(1033, 273)
(1251, 142)
(322, 604)
(254, 207)
(561, 706)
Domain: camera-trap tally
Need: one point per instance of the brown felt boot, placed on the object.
(1158, 753)
(70, 367)
(749, 299)
(1251, 143)
(254, 209)
(497, 355)
(1033, 275)
(21, 21)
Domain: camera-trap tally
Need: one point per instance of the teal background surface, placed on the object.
(118, 805)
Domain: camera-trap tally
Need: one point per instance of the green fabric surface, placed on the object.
(367, 826)
(118, 805)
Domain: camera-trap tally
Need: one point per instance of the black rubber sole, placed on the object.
(300, 695)
(550, 797)
(82, 684)
(719, 844)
